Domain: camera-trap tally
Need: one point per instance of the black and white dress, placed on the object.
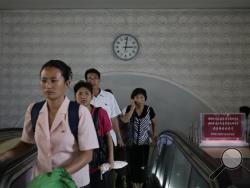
(137, 137)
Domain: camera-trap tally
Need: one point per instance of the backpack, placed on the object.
(73, 116)
(99, 155)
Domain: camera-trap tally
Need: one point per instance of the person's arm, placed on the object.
(115, 112)
(115, 125)
(19, 149)
(154, 134)
(127, 116)
(110, 150)
(78, 162)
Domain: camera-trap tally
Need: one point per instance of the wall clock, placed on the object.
(125, 47)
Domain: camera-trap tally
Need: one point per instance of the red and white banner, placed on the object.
(226, 126)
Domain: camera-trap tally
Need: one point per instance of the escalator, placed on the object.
(176, 163)
(15, 173)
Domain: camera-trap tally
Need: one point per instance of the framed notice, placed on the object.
(222, 126)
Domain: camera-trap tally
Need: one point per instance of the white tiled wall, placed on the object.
(204, 51)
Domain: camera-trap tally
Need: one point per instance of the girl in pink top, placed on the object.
(56, 145)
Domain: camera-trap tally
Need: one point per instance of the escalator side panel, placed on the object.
(181, 171)
(16, 172)
(23, 180)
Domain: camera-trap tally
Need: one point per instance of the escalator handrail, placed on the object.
(8, 133)
(10, 129)
(194, 148)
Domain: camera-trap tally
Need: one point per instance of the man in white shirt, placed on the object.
(107, 101)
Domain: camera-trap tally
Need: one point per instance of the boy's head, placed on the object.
(92, 71)
(93, 76)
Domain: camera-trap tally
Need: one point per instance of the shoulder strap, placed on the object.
(102, 155)
(73, 115)
(95, 117)
(35, 112)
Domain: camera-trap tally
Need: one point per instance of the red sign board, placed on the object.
(218, 126)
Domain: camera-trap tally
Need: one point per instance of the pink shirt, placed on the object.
(57, 145)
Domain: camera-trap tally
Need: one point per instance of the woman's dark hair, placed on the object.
(92, 70)
(138, 91)
(63, 67)
(84, 84)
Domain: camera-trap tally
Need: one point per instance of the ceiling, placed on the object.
(122, 4)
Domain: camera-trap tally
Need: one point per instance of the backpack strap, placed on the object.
(73, 116)
(35, 113)
(96, 123)
(99, 154)
(95, 118)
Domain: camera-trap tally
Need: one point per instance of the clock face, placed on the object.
(125, 47)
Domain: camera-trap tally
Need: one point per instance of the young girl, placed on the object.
(83, 95)
(56, 145)
(140, 132)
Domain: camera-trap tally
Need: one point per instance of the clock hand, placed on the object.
(126, 43)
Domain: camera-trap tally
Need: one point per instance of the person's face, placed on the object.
(94, 80)
(53, 83)
(139, 99)
(83, 96)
